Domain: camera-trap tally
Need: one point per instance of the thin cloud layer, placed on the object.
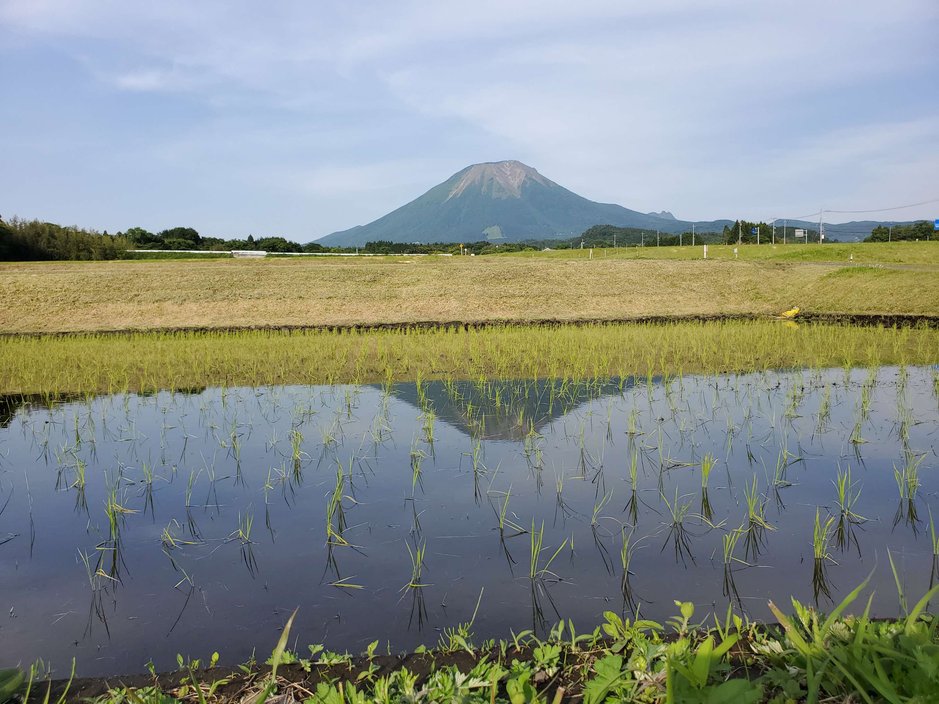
(303, 118)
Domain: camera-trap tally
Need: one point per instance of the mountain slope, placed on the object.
(504, 201)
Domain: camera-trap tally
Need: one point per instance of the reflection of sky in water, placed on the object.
(212, 591)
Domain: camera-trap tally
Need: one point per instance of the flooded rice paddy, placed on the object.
(135, 527)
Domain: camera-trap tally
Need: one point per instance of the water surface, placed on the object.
(201, 521)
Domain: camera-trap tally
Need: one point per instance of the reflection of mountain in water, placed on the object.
(487, 409)
(505, 410)
(10, 404)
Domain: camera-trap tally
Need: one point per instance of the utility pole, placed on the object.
(656, 238)
(820, 227)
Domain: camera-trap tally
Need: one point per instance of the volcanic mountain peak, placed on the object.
(498, 179)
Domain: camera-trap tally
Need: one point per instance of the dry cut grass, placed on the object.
(98, 296)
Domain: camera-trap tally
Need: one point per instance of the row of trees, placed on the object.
(919, 230)
(610, 236)
(762, 233)
(22, 240)
(188, 238)
(28, 240)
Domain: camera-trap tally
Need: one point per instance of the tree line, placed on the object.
(186, 238)
(28, 240)
(24, 240)
(919, 230)
(745, 232)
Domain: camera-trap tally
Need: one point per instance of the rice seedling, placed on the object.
(821, 546)
(335, 512)
(627, 548)
(417, 456)
(757, 525)
(191, 482)
(729, 543)
(678, 533)
(599, 503)
(115, 511)
(427, 426)
(243, 533)
(779, 471)
(707, 465)
(824, 411)
(506, 522)
(908, 483)
(344, 583)
(632, 423)
(171, 540)
(417, 566)
(867, 389)
(538, 570)
(856, 438)
(792, 403)
(296, 445)
(847, 496)
(756, 508)
(560, 505)
(81, 502)
(533, 447)
(477, 457)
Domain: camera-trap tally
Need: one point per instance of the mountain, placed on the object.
(507, 201)
(504, 201)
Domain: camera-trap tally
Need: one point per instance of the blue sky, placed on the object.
(301, 118)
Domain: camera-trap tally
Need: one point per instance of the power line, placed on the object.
(882, 210)
(823, 211)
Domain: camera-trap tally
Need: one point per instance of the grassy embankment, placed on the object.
(809, 657)
(562, 286)
(845, 253)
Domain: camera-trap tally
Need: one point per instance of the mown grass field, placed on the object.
(858, 253)
(898, 278)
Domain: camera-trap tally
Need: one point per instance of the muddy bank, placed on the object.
(881, 320)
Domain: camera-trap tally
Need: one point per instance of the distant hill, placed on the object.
(508, 201)
(503, 201)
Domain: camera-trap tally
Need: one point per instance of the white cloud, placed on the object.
(697, 108)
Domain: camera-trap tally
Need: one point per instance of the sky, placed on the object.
(300, 118)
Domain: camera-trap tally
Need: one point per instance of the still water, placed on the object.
(133, 528)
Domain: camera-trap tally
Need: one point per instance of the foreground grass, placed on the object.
(146, 362)
(809, 657)
(613, 285)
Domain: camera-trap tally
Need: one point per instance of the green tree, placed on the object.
(182, 233)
